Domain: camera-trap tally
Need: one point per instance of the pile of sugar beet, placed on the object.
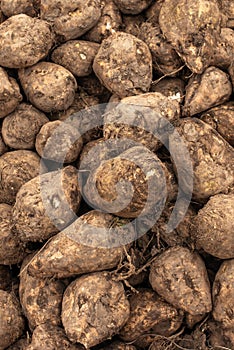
(134, 78)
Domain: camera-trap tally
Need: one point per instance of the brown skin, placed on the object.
(223, 54)
(11, 249)
(223, 297)
(213, 227)
(84, 114)
(30, 43)
(124, 65)
(180, 277)
(221, 118)
(16, 7)
(72, 252)
(83, 101)
(170, 87)
(126, 173)
(142, 118)
(114, 99)
(132, 7)
(48, 86)
(41, 299)
(10, 95)
(148, 311)
(205, 91)
(71, 18)
(211, 157)
(109, 22)
(171, 181)
(19, 129)
(227, 8)
(97, 151)
(51, 337)
(90, 318)
(164, 329)
(30, 218)
(165, 59)
(77, 56)
(182, 233)
(59, 142)
(12, 322)
(16, 168)
(192, 29)
(105, 179)
(147, 340)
